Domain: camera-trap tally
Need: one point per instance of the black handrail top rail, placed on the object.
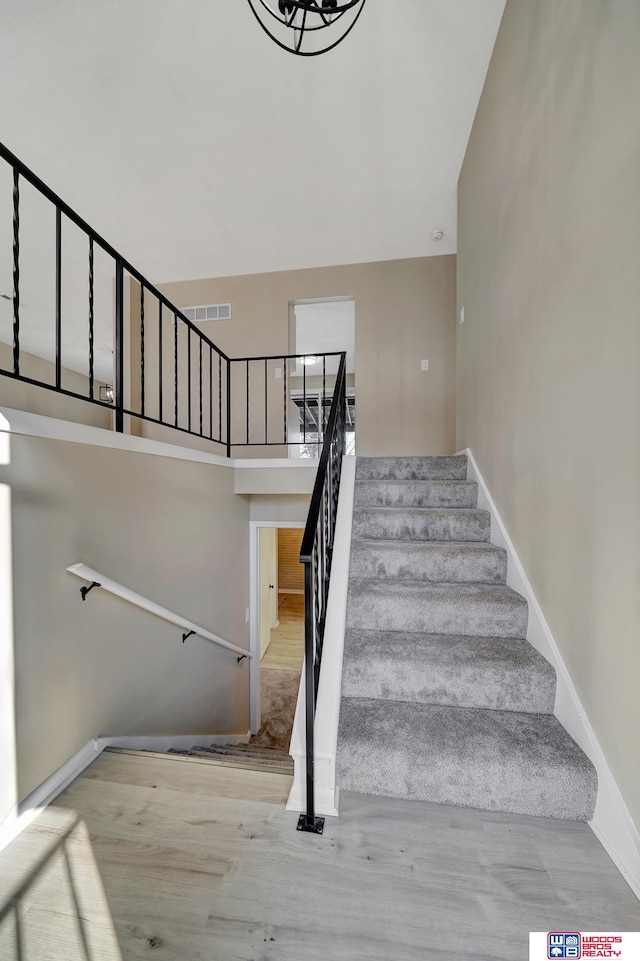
(306, 548)
(310, 353)
(70, 213)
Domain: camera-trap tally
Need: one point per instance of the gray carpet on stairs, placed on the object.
(429, 561)
(497, 760)
(443, 699)
(489, 672)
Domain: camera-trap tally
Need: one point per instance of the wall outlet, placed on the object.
(424, 365)
(461, 316)
(278, 373)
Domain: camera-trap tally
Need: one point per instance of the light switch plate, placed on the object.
(278, 373)
(424, 365)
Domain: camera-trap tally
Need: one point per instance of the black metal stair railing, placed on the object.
(316, 554)
(143, 357)
(166, 371)
(149, 326)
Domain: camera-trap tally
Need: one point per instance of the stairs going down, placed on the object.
(443, 698)
(248, 756)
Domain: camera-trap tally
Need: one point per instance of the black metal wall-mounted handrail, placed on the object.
(316, 553)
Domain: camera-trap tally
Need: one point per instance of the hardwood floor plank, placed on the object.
(179, 873)
(286, 647)
(182, 774)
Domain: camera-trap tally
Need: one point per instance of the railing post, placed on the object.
(228, 408)
(119, 347)
(309, 822)
(16, 272)
(58, 298)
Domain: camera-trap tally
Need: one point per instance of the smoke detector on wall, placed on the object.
(436, 235)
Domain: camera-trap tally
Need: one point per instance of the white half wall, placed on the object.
(330, 685)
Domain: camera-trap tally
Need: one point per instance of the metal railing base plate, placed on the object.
(310, 825)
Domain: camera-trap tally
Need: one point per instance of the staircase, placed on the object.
(443, 698)
(247, 756)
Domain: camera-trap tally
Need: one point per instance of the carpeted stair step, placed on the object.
(266, 753)
(422, 524)
(411, 493)
(498, 673)
(281, 765)
(247, 750)
(485, 610)
(450, 561)
(412, 468)
(496, 760)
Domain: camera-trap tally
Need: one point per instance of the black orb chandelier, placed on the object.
(307, 27)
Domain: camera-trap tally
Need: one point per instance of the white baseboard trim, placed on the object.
(181, 742)
(25, 812)
(612, 823)
(48, 791)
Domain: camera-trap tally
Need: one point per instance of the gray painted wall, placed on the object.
(175, 532)
(548, 391)
(405, 311)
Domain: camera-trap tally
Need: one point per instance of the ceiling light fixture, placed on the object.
(308, 360)
(298, 25)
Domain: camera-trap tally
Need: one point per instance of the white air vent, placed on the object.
(208, 312)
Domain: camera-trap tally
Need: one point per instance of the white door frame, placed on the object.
(254, 616)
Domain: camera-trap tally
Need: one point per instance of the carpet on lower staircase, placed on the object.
(443, 698)
(268, 750)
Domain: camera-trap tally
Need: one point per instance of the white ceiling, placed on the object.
(198, 148)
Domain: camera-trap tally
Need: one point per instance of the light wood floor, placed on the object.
(177, 860)
(286, 648)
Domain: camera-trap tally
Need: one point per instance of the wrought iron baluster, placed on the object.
(304, 403)
(119, 359)
(91, 321)
(324, 407)
(228, 407)
(142, 349)
(58, 298)
(189, 377)
(175, 367)
(220, 397)
(160, 366)
(266, 405)
(284, 364)
(200, 345)
(247, 402)
(211, 393)
(16, 272)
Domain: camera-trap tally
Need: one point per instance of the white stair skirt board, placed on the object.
(329, 689)
(612, 823)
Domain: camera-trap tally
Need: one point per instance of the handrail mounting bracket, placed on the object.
(85, 590)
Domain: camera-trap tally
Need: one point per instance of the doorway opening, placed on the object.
(317, 327)
(278, 633)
